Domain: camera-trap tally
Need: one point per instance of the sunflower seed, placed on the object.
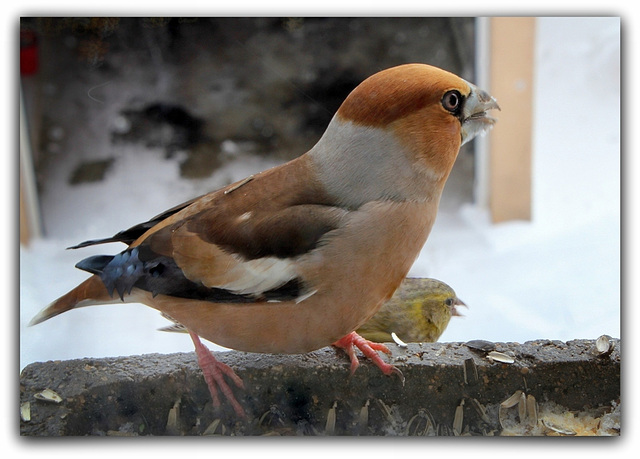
(363, 419)
(482, 411)
(25, 411)
(500, 357)
(330, 426)
(172, 419)
(424, 426)
(604, 347)
(48, 395)
(458, 419)
(480, 345)
(532, 410)
(513, 400)
(213, 427)
(558, 429)
(397, 340)
(470, 372)
(522, 407)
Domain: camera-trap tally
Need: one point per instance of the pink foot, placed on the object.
(368, 348)
(214, 372)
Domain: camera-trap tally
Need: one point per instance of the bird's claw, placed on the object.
(397, 371)
(369, 349)
(214, 372)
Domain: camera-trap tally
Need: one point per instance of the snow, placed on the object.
(557, 277)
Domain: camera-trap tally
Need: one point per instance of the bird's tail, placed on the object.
(92, 291)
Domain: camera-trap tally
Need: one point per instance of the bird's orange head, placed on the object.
(431, 111)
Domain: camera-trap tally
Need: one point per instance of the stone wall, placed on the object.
(450, 389)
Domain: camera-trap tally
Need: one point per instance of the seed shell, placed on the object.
(500, 357)
(48, 395)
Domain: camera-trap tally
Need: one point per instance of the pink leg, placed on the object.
(214, 372)
(368, 348)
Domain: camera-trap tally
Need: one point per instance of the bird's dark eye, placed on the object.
(448, 301)
(452, 100)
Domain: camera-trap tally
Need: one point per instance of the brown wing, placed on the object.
(237, 245)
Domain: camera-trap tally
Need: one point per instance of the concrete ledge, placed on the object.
(313, 394)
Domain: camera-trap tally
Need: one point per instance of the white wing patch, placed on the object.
(255, 277)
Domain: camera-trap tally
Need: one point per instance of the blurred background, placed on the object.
(122, 118)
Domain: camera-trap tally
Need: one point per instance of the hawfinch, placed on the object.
(419, 311)
(299, 256)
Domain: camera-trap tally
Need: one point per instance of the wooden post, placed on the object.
(512, 47)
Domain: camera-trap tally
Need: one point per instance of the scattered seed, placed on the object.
(397, 340)
(501, 415)
(458, 419)
(363, 419)
(558, 429)
(604, 346)
(482, 411)
(213, 427)
(387, 413)
(500, 357)
(172, 419)
(422, 417)
(522, 407)
(330, 426)
(274, 415)
(444, 430)
(48, 395)
(532, 410)
(480, 345)
(470, 371)
(513, 400)
(25, 411)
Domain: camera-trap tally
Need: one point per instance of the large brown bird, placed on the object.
(299, 256)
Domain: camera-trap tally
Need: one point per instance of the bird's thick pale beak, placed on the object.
(454, 309)
(475, 119)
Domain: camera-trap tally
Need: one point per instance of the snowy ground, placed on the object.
(557, 277)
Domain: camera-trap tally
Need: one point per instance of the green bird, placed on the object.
(419, 311)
